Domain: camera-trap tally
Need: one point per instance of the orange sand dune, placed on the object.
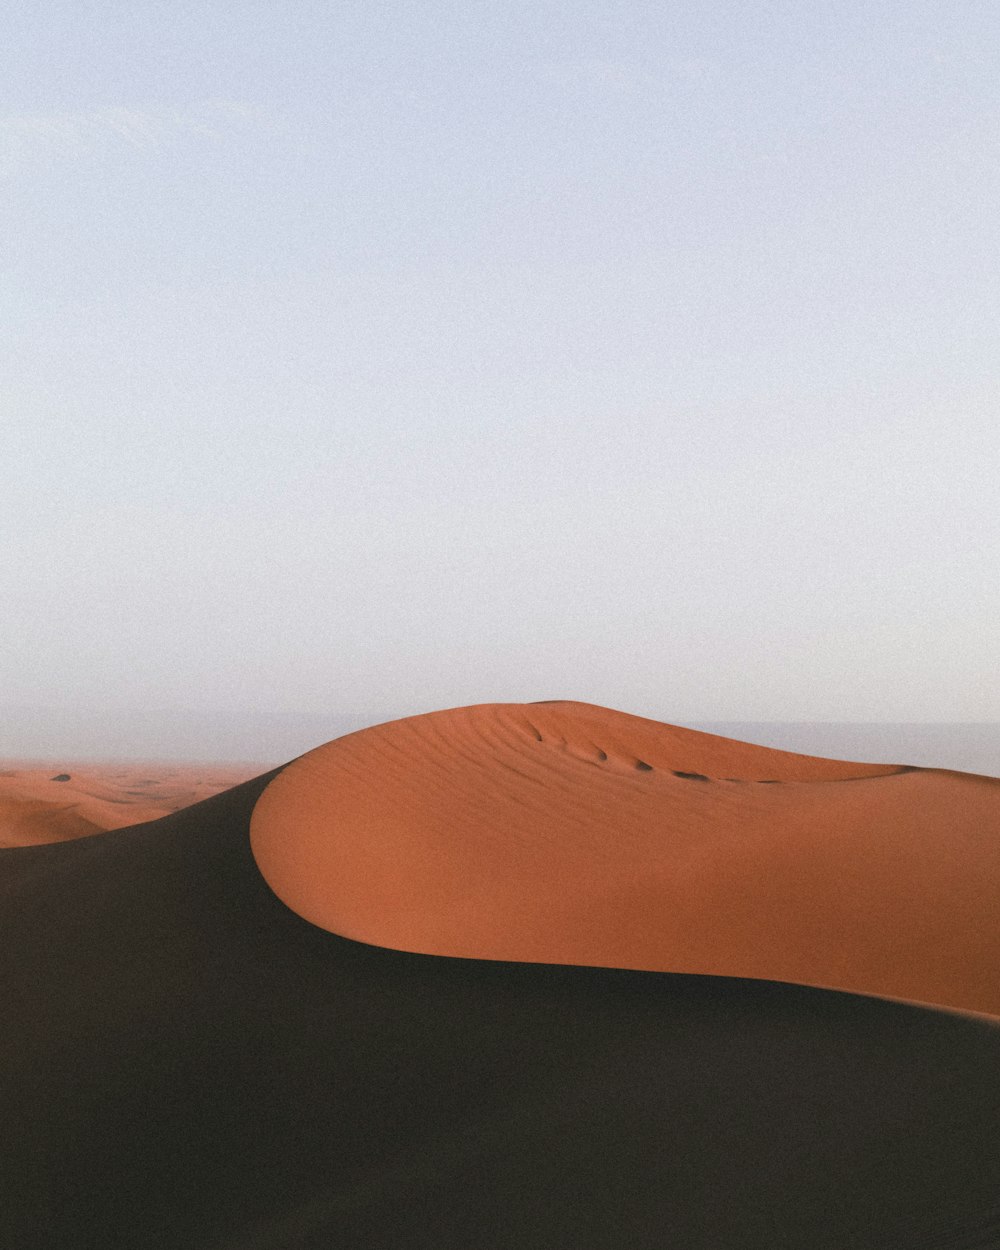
(187, 1064)
(572, 834)
(36, 806)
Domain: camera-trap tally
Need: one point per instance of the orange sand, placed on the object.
(35, 808)
(573, 834)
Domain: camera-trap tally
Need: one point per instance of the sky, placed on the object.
(363, 358)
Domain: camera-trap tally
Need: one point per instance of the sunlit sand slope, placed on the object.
(572, 834)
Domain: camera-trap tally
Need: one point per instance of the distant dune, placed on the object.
(508, 977)
(55, 805)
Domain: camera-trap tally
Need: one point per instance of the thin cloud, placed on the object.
(605, 77)
(31, 139)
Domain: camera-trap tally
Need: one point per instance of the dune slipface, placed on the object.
(187, 1063)
(573, 834)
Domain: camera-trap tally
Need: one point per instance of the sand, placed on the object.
(56, 802)
(190, 1063)
(572, 834)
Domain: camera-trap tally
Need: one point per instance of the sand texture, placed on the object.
(58, 802)
(571, 834)
(188, 1062)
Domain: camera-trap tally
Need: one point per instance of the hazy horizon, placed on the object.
(374, 355)
(174, 735)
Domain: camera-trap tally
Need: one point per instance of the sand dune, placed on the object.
(572, 834)
(187, 1063)
(60, 802)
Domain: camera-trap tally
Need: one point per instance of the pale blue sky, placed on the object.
(371, 357)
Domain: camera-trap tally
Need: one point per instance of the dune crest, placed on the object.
(573, 834)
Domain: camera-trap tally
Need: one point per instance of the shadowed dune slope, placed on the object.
(185, 1064)
(54, 804)
(573, 834)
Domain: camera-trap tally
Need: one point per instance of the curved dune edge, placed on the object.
(565, 833)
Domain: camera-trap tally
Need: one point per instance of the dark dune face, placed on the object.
(187, 1064)
(572, 834)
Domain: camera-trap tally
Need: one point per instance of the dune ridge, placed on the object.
(573, 834)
